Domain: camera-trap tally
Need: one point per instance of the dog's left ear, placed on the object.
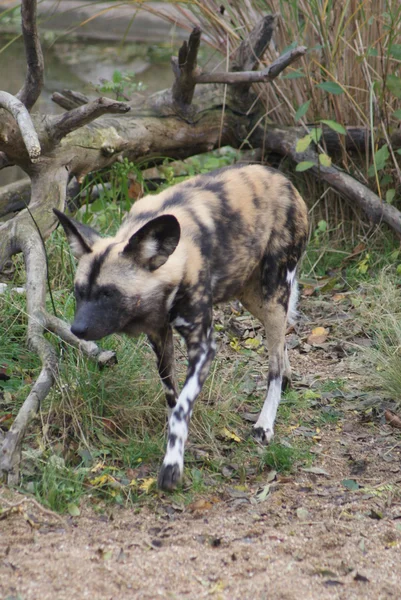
(80, 237)
(151, 246)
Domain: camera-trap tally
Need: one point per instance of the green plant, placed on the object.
(122, 85)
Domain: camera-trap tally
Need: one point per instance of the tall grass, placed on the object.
(381, 309)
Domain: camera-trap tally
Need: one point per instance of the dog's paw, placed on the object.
(262, 436)
(169, 477)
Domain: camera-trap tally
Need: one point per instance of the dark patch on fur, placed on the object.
(260, 435)
(96, 266)
(286, 383)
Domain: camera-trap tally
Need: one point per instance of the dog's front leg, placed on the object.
(201, 351)
(163, 346)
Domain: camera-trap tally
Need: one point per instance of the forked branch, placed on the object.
(34, 79)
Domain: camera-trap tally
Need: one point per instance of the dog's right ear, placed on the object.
(80, 237)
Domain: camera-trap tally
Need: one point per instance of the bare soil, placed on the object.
(311, 538)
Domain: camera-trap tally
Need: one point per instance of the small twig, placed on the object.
(13, 508)
(77, 117)
(24, 121)
(34, 79)
(268, 74)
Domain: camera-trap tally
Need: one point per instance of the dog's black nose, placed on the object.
(80, 330)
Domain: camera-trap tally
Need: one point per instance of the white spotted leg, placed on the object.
(279, 370)
(201, 351)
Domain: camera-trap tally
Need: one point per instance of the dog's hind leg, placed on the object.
(270, 304)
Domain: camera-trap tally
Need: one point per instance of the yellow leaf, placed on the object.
(98, 467)
(102, 480)
(303, 143)
(318, 336)
(252, 343)
(229, 435)
(147, 485)
(235, 345)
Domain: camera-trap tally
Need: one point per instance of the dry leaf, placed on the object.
(147, 485)
(199, 505)
(308, 290)
(339, 297)
(318, 336)
(392, 419)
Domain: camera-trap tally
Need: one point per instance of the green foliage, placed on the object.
(283, 458)
(337, 127)
(331, 87)
(122, 85)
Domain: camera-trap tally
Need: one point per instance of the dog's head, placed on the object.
(123, 286)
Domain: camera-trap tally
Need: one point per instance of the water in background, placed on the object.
(80, 66)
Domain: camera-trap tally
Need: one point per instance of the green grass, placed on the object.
(284, 459)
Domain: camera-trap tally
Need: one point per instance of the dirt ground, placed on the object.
(311, 538)
(333, 531)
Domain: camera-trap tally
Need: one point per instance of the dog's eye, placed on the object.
(106, 293)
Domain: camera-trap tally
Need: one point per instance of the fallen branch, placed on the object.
(283, 140)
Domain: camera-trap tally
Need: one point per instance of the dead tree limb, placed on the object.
(184, 68)
(34, 79)
(283, 140)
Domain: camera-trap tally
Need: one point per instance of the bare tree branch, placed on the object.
(34, 79)
(35, 265)
(70, 99)
(248, 55)
(80, 116)
(184, 69)
(24, 121)
(249, 77)
(48, 190)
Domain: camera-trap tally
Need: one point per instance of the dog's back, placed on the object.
(230, 219)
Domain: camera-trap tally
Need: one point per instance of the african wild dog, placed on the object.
(236, 232)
